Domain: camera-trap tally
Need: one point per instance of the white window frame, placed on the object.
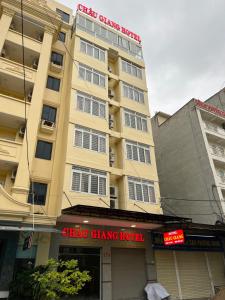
(135, 92)
(91, 132)
(94, 47)
(142, 182)
(139, 146)
(92, 100)
(135, 115)
(88, 171)
(102, 77)
(126, 64)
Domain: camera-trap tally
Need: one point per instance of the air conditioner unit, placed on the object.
(111, 93)
(3, 53)
(109, 69)
(22, 131)
(113, 197)
(13, 174)
(111, 121)
(12, 26)
(29, 95)
(47, 123)
(35, 64)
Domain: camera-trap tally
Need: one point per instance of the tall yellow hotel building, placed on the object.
(82, 135)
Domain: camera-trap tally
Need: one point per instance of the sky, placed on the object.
(183, 45)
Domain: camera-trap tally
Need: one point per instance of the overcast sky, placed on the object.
(183, 44)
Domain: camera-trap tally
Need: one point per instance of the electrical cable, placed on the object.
(25, 108)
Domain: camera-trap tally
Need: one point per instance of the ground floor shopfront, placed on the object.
(195, 270)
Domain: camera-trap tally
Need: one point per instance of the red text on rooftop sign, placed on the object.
(108, 22)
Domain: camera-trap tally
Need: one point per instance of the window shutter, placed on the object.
(102, 110)
(152, 194)
(76, 181)
(94, 184)
(88, 75)
(136, 96)
(145, 193)
(96, 53)
(123, 66)
(96, 79)
(144, 125)
(141, 97)
(138, 119)
(81, 72)
(78, 138)
(127, 119)
(133, 121)
(94, 142)
(135, 152)
(102, 55)
(102, 81)
(131, 190)
(89, 49)
(102, 146)
(129, 151)
(138, 191)
(102, 186)
(125, 91)
(87, 105)
(147, 156)
(85, 183)
(86, 140)
(141, 154)
(83, 47)
(95, 108)
(80, 103)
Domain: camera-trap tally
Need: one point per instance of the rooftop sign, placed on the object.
(106, 21)
(79, 233)
(210, 108)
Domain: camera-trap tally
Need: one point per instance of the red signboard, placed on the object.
(106, 21)
(210, 108)
(102, 234)
(174, 237)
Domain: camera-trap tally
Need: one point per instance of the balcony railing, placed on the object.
(214, 128)
(217, 150)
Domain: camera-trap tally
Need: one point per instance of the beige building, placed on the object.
(74, 130)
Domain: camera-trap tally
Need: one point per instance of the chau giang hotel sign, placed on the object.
(97, 234)
(106, 21)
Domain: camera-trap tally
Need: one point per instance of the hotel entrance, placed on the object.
(88, 260)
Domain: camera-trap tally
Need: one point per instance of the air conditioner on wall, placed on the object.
(111, 93)
(47, 123)
(113, 197)
(111, 121)
(22, 131)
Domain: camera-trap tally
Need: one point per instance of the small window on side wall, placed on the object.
(39, 193)
(53, 83)
(62, 37)
(43, 150)
(64, 16)
(49, 113)
(57, 58)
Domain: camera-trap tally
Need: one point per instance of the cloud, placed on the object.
(183, 44)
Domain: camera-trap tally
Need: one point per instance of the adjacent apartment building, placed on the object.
(75, 132)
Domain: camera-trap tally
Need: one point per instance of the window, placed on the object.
(57, 58)
(89, 181)
(141, 190)
(39, 193)
(48, 113)
(92, 50)
(131, 69)
(133, 93)
(91, 75)
(111, 37)
(62, 37)
(64, 16)
(53, 83)
(137, 151)
(91, 105)
(43, 150)
(90, 139)
(135, 120)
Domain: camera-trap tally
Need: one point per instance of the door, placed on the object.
(128, 274)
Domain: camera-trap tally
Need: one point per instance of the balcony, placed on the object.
(29, 43)
(32, 29)
(214, 129)
(218, 152)
(10, 151)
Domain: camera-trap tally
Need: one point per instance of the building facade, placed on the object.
(74, 130)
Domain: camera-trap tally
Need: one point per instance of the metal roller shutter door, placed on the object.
(194, 275)
(128, 274)
(166, 272)
(216, 262)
